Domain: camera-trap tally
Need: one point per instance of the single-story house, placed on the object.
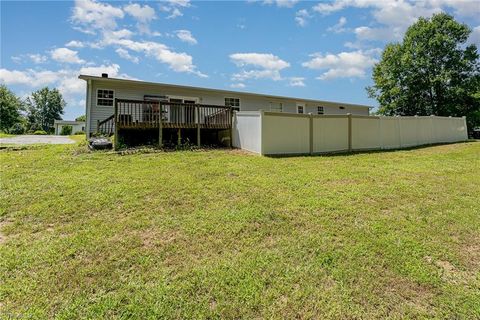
(77, 126)
(137, 106)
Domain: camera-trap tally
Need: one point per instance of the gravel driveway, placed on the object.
(31, 139)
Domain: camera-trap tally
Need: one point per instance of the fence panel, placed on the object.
(390, 132)
(330, 133)
(246, 131)
(366, 133)
(425, 130)
(287, 133)
(408, 131)
(284, 133)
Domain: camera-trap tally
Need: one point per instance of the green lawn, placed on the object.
(6, 135)
(225, 234)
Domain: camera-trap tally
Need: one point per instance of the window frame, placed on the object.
(234, 107)
(276, 103)
(303, 106)
(322, 110)
(101, 105)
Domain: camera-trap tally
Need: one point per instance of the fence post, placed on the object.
(399, 131)
(160, 129)
(310, 116)
(197, 118)
(349, 115)
(115, 137)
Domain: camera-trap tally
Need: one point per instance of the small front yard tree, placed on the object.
(66, 130)
(44, 107)
(10, 109)
(432, 71)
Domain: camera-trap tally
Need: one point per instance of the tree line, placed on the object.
(36, 113)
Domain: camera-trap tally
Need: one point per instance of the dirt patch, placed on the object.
(152, 238)
(449, 272)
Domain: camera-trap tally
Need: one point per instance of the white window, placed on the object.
(105, 97)
(276, 106)
(233, 102)
(320, 110)
(300, 108)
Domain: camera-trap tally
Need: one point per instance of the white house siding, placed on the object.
(75, 128)
(248, 102)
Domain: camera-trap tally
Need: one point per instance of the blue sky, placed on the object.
(322, 50)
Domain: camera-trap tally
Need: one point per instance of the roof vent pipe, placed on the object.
(104, 75)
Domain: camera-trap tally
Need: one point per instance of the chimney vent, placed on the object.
(104, 75)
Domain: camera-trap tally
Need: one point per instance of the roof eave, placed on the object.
(88, 77)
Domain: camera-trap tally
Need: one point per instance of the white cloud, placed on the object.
(75, 44)
(174, 7)
(265, 66)
(90, 16)
(301, 17)
(475, 36)
(339, 26)
(257, 74)
(296, 82)
(367, 33)
(282, 3)
(342, 65)
(180, 62)
(66, 80)
(392, 17)
(180, 3)
(126, 55)
(186, 36)
(66, 55)
(143, 14)
(102, 18)
(38, 58)
(34, 57)
(238, 85)
(263, 60)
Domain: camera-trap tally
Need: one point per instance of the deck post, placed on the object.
(160, 133)
(115, 123)
(197, 118)
(179, 140)
(230, 131)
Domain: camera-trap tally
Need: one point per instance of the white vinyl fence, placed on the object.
(271, 133)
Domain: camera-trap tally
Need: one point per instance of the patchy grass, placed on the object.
(6, 135)
(224, 234)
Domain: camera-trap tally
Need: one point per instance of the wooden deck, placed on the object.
(142, 115)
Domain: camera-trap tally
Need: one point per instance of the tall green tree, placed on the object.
(44, 107)
(10, 108)
(81, 118)
(432, 71)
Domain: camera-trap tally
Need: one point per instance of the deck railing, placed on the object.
(149, 114)
(107, 126)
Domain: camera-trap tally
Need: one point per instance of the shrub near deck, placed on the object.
(223, 234)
